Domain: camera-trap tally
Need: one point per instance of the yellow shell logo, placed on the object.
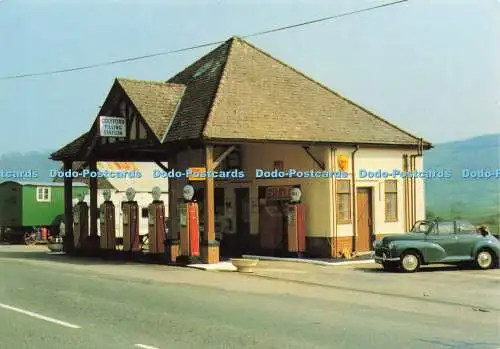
(342, 162)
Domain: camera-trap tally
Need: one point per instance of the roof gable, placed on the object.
(155, 101)
(202, 81)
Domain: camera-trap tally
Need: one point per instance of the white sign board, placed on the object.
(110, 126)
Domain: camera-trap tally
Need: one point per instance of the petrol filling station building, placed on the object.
(239, 108)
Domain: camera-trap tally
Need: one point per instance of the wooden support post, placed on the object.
(68, 209)
(94, 238)
(173, 218)
(210, 247)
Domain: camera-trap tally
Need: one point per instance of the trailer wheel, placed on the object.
(29, 238)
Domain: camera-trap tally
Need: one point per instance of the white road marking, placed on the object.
(38, 316)
(144, 346)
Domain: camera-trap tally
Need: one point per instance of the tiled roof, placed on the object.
(201, 80)
(155, 101)
(71, 149)
(237, 91)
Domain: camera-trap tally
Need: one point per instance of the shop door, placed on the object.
(242, 220)
(364, 220)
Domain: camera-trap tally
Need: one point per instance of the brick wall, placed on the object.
(322, 247)
(210, 254)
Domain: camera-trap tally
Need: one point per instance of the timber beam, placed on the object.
(321, 164)
(160, 165)
(223, 156)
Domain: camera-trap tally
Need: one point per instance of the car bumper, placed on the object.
(384, 256)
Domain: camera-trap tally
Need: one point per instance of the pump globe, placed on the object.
(156, 193)
(130, 194)
(295, 194)
(106, 194)
(188, 192)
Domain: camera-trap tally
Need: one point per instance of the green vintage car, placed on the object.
(437, 242)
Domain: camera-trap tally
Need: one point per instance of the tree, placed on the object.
(429, 214)
(457, 209)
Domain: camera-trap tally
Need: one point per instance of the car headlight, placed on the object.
(390, 246)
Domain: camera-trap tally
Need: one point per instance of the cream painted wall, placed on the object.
(373, 160)
(420, 191)
(317, 193)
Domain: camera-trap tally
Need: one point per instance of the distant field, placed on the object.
(475, 199)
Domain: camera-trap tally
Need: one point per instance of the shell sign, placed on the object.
(343, 162)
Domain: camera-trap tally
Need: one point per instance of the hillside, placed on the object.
(478, 199)
(34, 160)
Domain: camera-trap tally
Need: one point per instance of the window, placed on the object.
(446, 227)
(43, 194)
(391, 200)
(465, 227)
(343, 201)
(145, 212)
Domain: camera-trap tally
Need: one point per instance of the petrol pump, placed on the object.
(156, 223)
(296, 224)
(189, 224)
(107, 221)
(80, 222)
(130, 211)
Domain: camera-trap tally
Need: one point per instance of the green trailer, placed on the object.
(30, 207)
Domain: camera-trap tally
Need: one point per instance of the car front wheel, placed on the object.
(410, 262)
(484, 259)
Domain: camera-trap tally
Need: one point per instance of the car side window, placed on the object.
(446, 227)
(432, 230)
(465, 228)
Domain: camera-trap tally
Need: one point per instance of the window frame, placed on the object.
(393, 195)
(339, 194)
(40, 194)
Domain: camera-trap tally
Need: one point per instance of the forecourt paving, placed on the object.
(56, 302)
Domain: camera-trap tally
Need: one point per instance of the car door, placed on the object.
(467, 238)
(442, 234)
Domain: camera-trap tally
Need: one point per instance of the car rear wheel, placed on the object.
(410, 262)
(484, 259)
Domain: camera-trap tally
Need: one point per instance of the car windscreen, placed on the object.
(422, 227)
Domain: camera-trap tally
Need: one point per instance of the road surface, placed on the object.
(50, 302)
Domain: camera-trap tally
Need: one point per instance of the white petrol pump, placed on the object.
(130, 211)
(189, 224)
(80, 223)
(296, 227)
(156, 226)
(107, 221)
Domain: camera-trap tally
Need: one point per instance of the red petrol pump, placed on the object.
(130, 211)
(156, 224)
(296, 226)
(80, 223)
(107, 222)
(189, 224)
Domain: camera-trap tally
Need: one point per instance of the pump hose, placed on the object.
(134, 236)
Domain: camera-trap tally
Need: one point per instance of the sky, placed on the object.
(429, 66)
